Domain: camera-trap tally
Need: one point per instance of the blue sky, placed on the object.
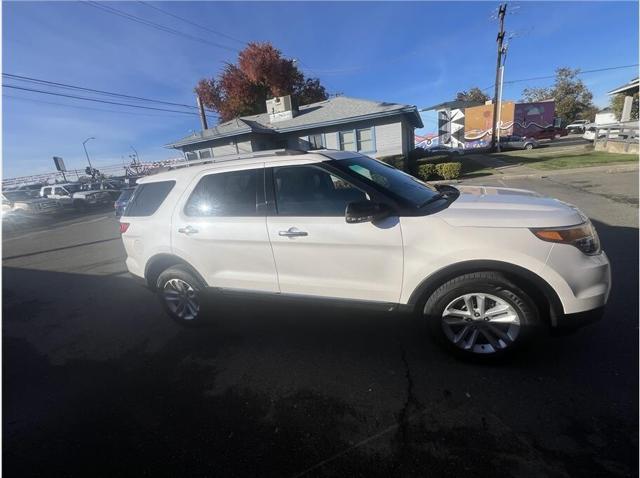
(418, 53)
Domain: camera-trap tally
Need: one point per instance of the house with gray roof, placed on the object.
(375, 128)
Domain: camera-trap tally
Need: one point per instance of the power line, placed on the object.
(85, 107)
(102, 92)
(553, 76)
(192, 23)
(149, 23)
(98, 100)
(157, 26)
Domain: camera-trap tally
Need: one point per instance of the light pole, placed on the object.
(84, 145)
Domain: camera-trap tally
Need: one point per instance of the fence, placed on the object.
(138, 168)
(617, 137)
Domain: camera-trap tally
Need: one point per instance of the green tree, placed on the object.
(474, 94)
(617, 103)
(573, 98)
(260, 73)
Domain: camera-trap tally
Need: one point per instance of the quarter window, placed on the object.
(225, 194)
(311, 191)
(148, 197)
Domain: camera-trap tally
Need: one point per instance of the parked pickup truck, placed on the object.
(72, 195)
(23, 202)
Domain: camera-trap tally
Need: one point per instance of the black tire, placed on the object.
(489, 284)
(181, 309)
(528, 146)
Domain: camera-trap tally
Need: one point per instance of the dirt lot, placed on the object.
(98, 382)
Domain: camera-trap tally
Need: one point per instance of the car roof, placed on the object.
(192, 168)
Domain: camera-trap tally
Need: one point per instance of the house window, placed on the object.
(316, 141)
(348, 141)
(361, 140)
(365, 139)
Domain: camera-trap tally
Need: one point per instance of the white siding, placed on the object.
(389, 139)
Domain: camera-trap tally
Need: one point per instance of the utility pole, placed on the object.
(203, 117)
(495, 145)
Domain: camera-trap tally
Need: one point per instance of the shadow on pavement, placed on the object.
(98, 382)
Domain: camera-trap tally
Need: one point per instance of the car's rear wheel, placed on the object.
(481, 315)
(180, 293)
(528, 146)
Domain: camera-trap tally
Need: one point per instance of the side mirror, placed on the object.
(366, 211)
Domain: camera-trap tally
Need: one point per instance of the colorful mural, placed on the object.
(426, 141)
(472, 127)
(478, 124)
(531, 118)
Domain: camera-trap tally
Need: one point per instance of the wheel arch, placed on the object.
(160, 262)
(545, 297)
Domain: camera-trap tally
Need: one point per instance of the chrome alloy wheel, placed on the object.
(181, 299)
(480, 323)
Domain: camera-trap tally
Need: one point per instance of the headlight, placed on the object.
(583, 236)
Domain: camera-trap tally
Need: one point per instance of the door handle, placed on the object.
(188, 230)
(293, 232)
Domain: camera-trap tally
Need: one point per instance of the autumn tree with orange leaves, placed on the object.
(260, 73)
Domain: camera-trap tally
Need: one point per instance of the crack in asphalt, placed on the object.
(405, 417)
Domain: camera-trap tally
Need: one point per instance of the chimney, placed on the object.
(281, 108)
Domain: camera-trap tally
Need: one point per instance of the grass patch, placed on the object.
(567, 161)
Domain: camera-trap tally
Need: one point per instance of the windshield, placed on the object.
(391, 180)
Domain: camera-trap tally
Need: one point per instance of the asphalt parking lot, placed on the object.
(98, 382)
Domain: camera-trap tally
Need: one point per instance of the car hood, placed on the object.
(486, 206)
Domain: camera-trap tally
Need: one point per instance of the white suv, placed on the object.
(484, 266)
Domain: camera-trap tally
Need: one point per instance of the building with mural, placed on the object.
(469, 125)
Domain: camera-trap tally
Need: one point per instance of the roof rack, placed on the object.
(235, 157)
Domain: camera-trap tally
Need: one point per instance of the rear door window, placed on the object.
(148, 197)
(226, 194)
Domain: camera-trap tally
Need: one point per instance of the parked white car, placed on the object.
(20, 201)
(72, 195)
(578, 126)
(483, 266)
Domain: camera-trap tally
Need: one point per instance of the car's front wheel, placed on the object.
(528, 146)
(180, 293)
(481, 315)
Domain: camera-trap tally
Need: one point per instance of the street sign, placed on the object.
(59, 162)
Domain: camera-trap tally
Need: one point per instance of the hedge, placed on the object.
(449, 170)
(425, 171)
